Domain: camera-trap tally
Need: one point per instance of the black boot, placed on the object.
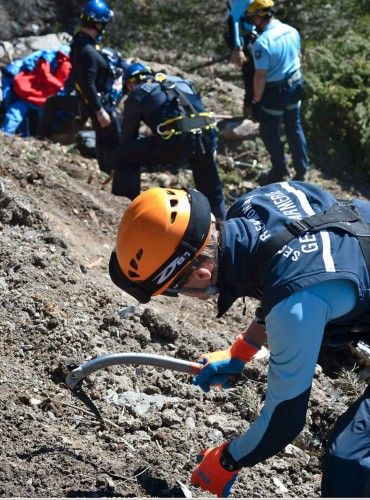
(273, 175)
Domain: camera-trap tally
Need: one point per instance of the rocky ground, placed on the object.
(57, 228)
(57, 302)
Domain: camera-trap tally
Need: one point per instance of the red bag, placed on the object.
(37, 85)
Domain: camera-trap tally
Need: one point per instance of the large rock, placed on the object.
(238, 129)
(25, 45)
(21, 18)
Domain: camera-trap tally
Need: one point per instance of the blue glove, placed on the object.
(221, 367)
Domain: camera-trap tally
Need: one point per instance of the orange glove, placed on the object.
(210, 475)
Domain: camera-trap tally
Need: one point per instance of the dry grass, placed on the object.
(350, 384)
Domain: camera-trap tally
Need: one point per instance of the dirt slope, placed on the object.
(57, 227)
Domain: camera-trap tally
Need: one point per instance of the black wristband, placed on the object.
(227, 461)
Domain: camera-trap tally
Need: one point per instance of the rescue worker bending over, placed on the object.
(182, 132)
(306, 257)
(93, 79)
(278, 90)
(240, 36)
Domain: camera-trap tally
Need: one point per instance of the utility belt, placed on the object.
(289, 80)
(193, 124)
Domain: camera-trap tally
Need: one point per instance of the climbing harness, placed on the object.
(342, 216)
(195, 124)
(190, 120)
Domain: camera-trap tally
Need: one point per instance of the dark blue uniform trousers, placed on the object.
(197, 150)
(282, 104)
(346, 467)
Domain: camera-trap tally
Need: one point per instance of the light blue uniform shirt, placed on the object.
(277, 51)
(237, 9)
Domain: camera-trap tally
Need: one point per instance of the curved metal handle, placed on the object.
(130, 358)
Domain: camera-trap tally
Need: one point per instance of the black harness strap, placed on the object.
(342, 216)
(174, 93)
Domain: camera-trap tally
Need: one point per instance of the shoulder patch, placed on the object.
(147, 87)
(257, 54)
(141, 91)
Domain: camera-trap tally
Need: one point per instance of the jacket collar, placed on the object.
(234, 256)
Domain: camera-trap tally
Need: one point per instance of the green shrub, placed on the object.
(182, 28)
(337, 104)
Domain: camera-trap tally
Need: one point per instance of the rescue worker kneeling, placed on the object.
(182, 132)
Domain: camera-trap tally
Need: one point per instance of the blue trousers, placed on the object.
(283, 104)
(346, 467)
(197, 150)
(15, 118)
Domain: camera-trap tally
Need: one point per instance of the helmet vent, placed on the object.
(133, 264)
(132, 274)
(172, 193)
(139, 254)
(174, 203)
(173, 217)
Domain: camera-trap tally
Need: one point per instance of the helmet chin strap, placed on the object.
(209, 290)
(101, 30)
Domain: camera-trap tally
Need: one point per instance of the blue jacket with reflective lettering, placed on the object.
(316, 279)
(310, 259)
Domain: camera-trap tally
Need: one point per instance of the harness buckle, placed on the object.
(165, 134)
(298, 227)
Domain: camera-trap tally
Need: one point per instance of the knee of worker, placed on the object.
(126, 183)
(107, 159)
(52, 102)
(10, 125)
(350, 437)
(344, 478)
(346, 467)
(269, 125)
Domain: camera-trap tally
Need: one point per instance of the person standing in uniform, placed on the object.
(92, 78)
(182, 132)
(240, 35)
(277, 92)
(306, 257)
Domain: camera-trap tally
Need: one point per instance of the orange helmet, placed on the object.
(162, 231)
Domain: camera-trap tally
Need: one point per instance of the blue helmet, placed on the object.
(97, 11)
(136, 72)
